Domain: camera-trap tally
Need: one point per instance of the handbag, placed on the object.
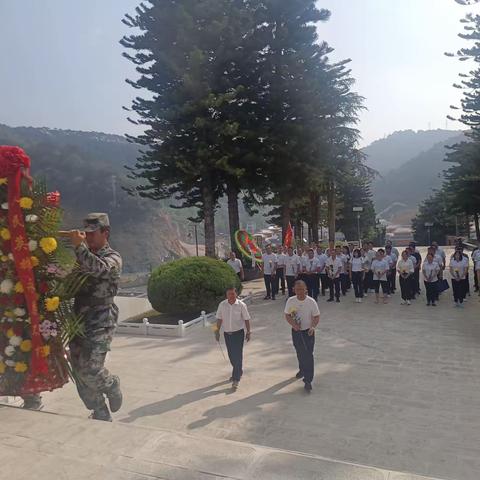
(443, 285)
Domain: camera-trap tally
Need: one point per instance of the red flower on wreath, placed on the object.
(53, 199)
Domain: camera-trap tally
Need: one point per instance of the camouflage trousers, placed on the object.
(87, 356)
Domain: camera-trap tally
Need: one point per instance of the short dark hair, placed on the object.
(231, 288)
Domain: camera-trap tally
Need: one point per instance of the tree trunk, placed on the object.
(233, 216)
(298, 231)
(285, 218)
(209, 215)
(477, 226)
(332, 213)
(315, 214)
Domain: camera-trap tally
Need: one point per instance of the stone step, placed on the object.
(45, 445)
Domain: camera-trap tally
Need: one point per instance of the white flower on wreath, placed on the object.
(6, 286)
(31, 218)
(10, 256)
(19, 312)
(32, 245)
(10, 363)
(16, 341)
(19, 319)
(5, 206)
(9, 350)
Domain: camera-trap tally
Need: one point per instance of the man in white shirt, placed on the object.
(391, 257)
(334, 267)
(303, 315)
(292, 268)
(232, 315)
(310, 273)
(269, 269)
(322, 259)
(237, 266)
(370, 255)
(476, 267)
(280, 274)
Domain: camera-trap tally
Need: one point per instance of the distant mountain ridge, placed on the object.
(391, 152)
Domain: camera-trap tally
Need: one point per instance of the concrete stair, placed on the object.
(43, 446)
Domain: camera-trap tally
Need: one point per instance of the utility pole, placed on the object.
(196, 237)
(429, 225)
(332, 213)
(358, 210)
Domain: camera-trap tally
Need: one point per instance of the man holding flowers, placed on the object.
(302, 313)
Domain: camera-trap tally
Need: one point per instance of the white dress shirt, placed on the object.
(281, 259)
(379, 269)
(233, 316)
(291, 265)
(358, 264)
(309, 264)
(460, 268)
(335, 267)
(405, 266)
(430, 271)
(322, 259)
(269, 261)
(236, 264)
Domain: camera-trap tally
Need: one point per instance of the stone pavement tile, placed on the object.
(283, 466)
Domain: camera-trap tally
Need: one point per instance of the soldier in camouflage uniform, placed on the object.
(95, 303)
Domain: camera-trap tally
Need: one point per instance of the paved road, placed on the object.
(396, 387)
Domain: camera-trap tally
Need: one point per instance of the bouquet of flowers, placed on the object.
(294, 314)
(37, 283)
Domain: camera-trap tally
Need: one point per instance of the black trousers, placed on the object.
(304, 345)
(381, 283)
(290, 283)
(312, 284)
(269, 285)
(357, 280)
(459, 288)
(431, 289)
(475, 278)
(392, 280)
(334, 284)
(234, 342)
(279, 280)
(406, 287)
(324, 282)
(344, 281)
(368, 281)
(416, 280)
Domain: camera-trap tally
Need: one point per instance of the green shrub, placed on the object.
(190, 285)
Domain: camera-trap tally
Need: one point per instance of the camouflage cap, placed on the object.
(94, 221)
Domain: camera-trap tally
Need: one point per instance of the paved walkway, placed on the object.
(396, 387)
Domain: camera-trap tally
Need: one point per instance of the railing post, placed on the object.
(146, 323)
(181, 329)
(203, 314)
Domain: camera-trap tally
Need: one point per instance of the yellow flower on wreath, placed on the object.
(2, 368)
(3, 181)
(21, 367)
(34, 261)
(5, 233)
(19, 287)
(48, 244)
(45, 351)
(10, 333)
(26, 203)
(52, 303)
(26, 346)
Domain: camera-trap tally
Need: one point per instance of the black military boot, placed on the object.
(114, 395)
(102, 414)
(32, 402)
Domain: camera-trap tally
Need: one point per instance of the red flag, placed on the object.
(288, 239)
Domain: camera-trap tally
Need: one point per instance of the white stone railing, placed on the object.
(179, 330)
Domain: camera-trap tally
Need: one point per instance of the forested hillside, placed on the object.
(88, 169)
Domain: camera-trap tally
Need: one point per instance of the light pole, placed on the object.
(358, 210)
(428, 225)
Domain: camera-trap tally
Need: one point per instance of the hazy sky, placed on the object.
(61, 63)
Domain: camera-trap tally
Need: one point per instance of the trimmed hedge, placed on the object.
(190, 285)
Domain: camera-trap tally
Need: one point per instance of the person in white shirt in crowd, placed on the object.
(357, 272)
(476, 268)
(300, 252)
(461, 248)
(409, 250)
(439, 251)
(334, 267)
(406, 270)
(430, 270)
(292, 269)
(371, 254)
(323, 277)
(303, 315)
(347, 256)
(280, 274)
(389, 243)
(344, 273)
(458, 271)
(269, 269)
(232, 315)
(392, 259)
(237, 266)
(418, 266)
(310, 270)
(379, 269)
